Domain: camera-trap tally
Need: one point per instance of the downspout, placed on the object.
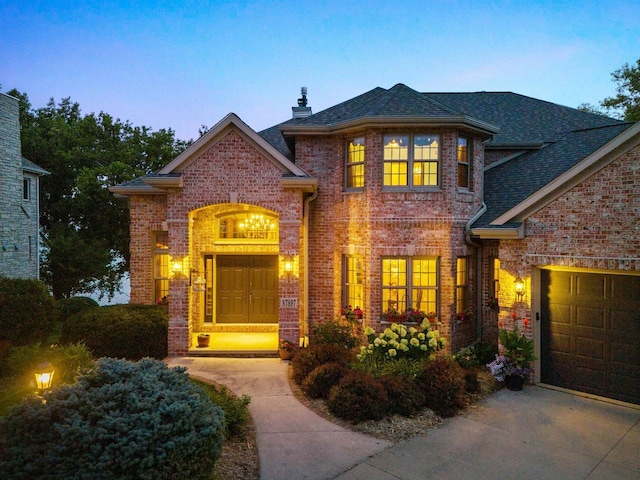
(304, 335)
(478, 247)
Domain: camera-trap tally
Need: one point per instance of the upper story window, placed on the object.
(26, 188)
(464, 164)
(411, 160)
(354, 171)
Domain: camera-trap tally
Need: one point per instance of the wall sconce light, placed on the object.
(178, 267)
(44, 376)
(518, 286)
(288, 266)
(199, 282)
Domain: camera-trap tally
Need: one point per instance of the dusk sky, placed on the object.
(184, 64)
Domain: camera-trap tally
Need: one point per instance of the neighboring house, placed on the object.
(397, 199)
(19, 199)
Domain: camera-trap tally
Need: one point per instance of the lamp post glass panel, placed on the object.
(44, 376)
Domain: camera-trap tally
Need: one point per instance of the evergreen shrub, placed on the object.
(235, 409)
(308, 359)
(358, 397)
(443, 384)
(121, 331)
(319, 382)
(73, 305)
(120, 420)
(27, 311)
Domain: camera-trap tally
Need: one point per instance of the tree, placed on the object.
(626, 104)
(85, 228)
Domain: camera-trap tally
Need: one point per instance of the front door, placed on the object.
(246, 289)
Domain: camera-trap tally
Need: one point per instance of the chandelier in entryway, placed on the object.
(256, 225)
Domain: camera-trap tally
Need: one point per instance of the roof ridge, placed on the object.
(598, 127)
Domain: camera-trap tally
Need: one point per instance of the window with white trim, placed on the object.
(411, 161)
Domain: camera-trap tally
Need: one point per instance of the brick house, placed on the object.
(19, 199)
(397, 199)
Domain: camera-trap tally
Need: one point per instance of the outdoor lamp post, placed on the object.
(44, 376)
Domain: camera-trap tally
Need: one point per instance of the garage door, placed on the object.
(590, 333)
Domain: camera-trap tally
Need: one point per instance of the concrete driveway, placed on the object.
(535, 434)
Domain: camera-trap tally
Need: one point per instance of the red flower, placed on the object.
(501, 324)
(526, 322)
(513, 315)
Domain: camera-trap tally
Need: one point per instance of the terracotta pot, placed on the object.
(285, 354)
(203, 341)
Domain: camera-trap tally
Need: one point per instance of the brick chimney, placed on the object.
(302, 111)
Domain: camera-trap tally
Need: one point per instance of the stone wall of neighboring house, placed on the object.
(18, 216)
(595, 225)
(374, 223)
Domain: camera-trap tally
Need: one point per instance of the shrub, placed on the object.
(486, 352)
(27, 311)
(443, 384)
(120, 420)
(308, 359)
(235, 409)
(67, 360)
(397, 342)
(70, 306)
(333, 333)
(121, 331)
(322, 378)
(467, 357)
(405, 397)
(358, 397)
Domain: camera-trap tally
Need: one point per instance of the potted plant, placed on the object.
(432, 317)
(203, 340)
(513, 366)
(286, 349)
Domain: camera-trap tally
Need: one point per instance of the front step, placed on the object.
(202, 352)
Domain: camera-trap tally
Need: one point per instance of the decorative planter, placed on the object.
(285, 354)
(203, 341)
(514, 382)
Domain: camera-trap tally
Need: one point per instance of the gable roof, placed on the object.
(171, 175)
(516, 188)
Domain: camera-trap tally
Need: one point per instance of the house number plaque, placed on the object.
(288, 303)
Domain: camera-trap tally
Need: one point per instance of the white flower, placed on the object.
(424, 348)
(421, 336)
(393, 352)
(413, 331)
(414, 342)
(377, 342)
(369, 331)
(433, 343)
(404, 341)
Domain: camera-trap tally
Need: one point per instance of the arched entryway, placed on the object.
(235, 252)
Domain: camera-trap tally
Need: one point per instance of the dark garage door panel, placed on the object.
(591, 333)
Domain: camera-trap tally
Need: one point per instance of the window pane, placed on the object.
(394, 283)
(356, 150)
(396, 147)
(424, 282)
(250, 226)
(425, 174)
(354, 285)
(425, 147)
(463, 163)
(461, 284)
(395, 174)
(355, 176)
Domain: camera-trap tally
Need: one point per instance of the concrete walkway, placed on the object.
(535, 434)
(293, 442)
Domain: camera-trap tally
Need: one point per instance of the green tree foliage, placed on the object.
(626, 103)
(85, 227)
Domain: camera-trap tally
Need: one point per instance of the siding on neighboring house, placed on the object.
(19, 216)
